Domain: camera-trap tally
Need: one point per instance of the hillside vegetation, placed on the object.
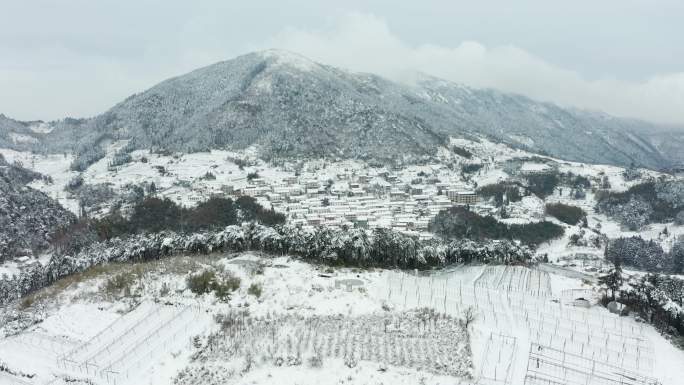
(649, 202)
(571, 215)
(153, 214)
(28, 218)
(459, 222)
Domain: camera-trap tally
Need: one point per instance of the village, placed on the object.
(372, 200)
(403, 199)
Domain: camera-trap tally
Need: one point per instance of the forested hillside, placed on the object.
(28, 218)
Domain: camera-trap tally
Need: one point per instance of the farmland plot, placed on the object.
(517, 304)
(547, 365)
(515, 279)
(423, 340)
(497, 359)
(122, 348)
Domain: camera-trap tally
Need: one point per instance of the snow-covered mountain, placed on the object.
(291, 106)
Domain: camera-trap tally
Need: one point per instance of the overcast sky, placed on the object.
(80, 57)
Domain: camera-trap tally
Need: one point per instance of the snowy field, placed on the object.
(525, 329)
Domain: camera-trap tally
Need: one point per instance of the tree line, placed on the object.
(646, 255)
(153, 214)
(656, 298)
(339, 247)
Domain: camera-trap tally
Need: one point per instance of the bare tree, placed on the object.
(469, 316)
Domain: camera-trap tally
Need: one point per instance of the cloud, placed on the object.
(363, 42)
(81, 58)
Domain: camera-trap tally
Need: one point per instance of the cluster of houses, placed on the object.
(382, 200)
(404, 200)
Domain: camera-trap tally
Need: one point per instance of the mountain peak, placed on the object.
(288, 58)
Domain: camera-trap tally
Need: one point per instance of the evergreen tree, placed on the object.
(677, 254)
(613, 280)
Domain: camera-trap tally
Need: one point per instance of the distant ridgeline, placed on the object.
(290, 106)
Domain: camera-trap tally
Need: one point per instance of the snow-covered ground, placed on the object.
(87, 333)
(296, 188)
(528, 326)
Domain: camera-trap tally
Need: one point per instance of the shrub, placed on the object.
(462, 152)
(119, 283)
(26, 302)
(316, 361)
(208, 281)
(232, 282)
(542, 185)
(255, 290)
(223, 288)
(350, 361)
(565, 213)
(201, 283)
(471, 168)
(252, 175)
(75, 183)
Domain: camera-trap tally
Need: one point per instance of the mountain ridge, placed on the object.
(290, 106)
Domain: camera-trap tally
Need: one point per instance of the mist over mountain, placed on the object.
(291, 107)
